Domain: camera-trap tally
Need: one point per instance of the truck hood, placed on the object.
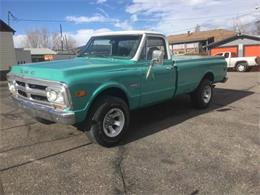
(62, 70)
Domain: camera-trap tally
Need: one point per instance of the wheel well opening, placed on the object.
(241, 62)
(209, 76)
(116, 92)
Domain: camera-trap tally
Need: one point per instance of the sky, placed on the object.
(82, 18)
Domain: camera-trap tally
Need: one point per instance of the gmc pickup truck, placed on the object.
(116, 72)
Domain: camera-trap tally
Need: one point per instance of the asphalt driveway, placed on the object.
(171, 148)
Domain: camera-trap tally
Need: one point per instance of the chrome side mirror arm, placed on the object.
(150, 68)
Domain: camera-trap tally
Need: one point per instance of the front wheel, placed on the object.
(108, 121)
(202, 96)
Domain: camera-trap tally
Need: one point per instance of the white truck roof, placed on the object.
(130, 32)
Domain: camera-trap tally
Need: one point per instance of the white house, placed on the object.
(7, 51)
(41, 54)
(23, 56)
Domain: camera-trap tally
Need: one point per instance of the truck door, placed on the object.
(160, 84)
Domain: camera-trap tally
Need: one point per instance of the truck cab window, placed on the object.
(226, 55)
(112, 46)
(155, 43)
(152, 44)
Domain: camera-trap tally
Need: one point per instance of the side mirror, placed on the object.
(157, 57)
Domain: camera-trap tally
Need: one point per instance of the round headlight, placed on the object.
(51, 95)
(60, 98)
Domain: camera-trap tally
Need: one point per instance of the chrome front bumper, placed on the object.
(45, 112)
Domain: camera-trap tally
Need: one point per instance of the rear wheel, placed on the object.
(241, 67)
(108, 121)
(202, 96)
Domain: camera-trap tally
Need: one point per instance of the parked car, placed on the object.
(241, 64)
(115, 73)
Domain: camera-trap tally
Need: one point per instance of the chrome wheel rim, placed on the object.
(113, 122)
(206, 95)
(241, 68)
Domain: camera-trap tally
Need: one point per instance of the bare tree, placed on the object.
(43, 38)
(70, 43)
(56, 41)
(38, 38)
(32, 39)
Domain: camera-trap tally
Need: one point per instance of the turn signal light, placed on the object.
(81, 93)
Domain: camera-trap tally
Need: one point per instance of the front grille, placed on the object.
(20, 83)
(39, 98)
(34, 86)
(22, 93)
(31, 91)
(34, 90)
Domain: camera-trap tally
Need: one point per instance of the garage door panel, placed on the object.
(251, 50)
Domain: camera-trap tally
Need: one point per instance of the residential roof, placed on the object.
(131, 32)
(217, 34)
(232, 38)
(41, 51)
(5, 27)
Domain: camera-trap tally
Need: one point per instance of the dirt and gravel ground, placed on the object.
(171, 148)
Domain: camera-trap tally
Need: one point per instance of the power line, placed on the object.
(111, 20)
(9, 16)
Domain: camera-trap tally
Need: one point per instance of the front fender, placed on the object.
(104, 87)
(81, 115)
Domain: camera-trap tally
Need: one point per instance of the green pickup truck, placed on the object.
(116, 72)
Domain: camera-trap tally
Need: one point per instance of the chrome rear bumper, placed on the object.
(45, 112)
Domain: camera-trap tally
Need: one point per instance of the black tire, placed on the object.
(94, 124)
(241, 67)
(197, 97)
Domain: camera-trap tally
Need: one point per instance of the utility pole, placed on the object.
(257, 23)
(9, 16)
(61, 37)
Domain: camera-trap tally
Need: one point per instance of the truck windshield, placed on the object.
(112, 46)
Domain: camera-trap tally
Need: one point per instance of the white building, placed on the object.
(7, 51)
(41, 54)
(23, 56)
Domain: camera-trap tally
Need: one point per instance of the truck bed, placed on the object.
(190, 70)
